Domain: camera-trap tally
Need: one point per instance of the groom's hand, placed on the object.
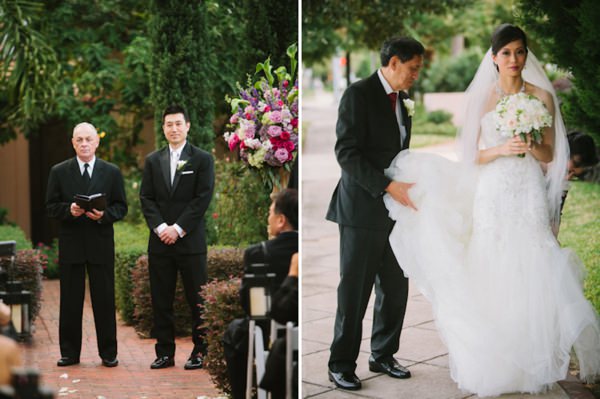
(399, 192)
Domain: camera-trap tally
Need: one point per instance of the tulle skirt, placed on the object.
(507, 300)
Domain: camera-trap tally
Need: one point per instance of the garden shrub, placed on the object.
(14, 233)
(222, 263)
(51, 270)
(241, 204)
(221, 306)
(439, 116)
(28, 267)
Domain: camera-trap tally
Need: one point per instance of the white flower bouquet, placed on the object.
(522, 114)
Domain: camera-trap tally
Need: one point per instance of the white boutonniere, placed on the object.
(410, 106)
(181, 165)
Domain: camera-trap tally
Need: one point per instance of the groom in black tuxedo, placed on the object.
(177, 186)
(373, 127)
(86, 242)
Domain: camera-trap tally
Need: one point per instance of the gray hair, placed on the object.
(85, 125)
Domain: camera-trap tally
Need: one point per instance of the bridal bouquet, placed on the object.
(522, 114)
(264, 121)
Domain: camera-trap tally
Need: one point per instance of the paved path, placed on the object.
(420, 348)
(131, 379)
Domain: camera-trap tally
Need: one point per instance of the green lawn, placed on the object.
(580, 231)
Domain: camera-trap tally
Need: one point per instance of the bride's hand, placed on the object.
(513, 146)
(399, 192)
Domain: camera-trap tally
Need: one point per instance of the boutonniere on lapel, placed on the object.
(410, 106)
(181, 165)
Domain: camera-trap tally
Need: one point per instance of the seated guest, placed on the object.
(284, 308)
(276, 253)
(10, 354)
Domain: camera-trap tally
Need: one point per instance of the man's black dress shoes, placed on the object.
(389, 366)
(163, 362)
(193, 363)
(67, 361)
(110, 362)
(345, 380)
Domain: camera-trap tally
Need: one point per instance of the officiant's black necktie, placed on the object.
(86, 175)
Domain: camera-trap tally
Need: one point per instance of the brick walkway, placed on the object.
(131, 379)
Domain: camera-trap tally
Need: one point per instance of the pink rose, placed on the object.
(233, 142)
(289, 146)
(248, 116)
(284, 135)
(234, 119)
(275, 116)
(267, 108)
(282, 155)
(295, 122)
(274, 131)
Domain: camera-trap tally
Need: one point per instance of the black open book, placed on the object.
(89, 202)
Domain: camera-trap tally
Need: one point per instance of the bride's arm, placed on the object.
(513, 146)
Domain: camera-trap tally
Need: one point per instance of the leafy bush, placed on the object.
(4, 217)
(221, 306)
(131, 241)
(452, 73)
(9, 233)
(241, 204)
(222, 263)
(439, 116)
(28, 267)
(51, 270)
(132, 182)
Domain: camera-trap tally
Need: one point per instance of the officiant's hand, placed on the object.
(399, 192)
(76, 210)
(95, 214)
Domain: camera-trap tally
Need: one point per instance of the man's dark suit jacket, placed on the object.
(368, 139)
(185, 203)
(82, 240)
(279, 251)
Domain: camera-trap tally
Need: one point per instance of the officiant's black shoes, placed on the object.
(193, 363)
(345, 380)
(110, 362)
(67, 361)
(388, 366)
(162, 362)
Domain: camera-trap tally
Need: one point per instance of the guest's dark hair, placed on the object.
(405, 48)
(175, 109)
(286, 204)
(505, 34)
(583, 145)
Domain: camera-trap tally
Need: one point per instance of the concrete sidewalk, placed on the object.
(421, 349)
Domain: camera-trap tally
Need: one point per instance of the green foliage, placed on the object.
(580, 231)
(27, 268)
(132, 181)
(574, 46)
(4, 217)
(183, 66)
(452, 73)
(9, 233)
(29, 69)
(222, 263)
(221, 306)
(241, 204)
(50, 254)
(331, 24)
(439, 116)
(131, 241)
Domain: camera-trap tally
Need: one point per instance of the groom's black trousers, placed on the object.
(366, 258)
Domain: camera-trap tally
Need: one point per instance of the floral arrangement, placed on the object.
(410, 106)
(522, 114)
(264, 121)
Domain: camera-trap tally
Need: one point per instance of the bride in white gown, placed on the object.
(507, 300)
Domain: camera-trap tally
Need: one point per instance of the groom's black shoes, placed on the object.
(388, 366)
(345, 380)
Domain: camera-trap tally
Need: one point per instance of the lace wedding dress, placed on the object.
(507, 300)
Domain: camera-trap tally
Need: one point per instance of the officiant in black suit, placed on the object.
(86, 242)
(177, 187)
(374, 122)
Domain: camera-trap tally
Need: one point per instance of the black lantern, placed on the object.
(18, 300)
(259, 282)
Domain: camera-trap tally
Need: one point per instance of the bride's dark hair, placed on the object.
(505, 34)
